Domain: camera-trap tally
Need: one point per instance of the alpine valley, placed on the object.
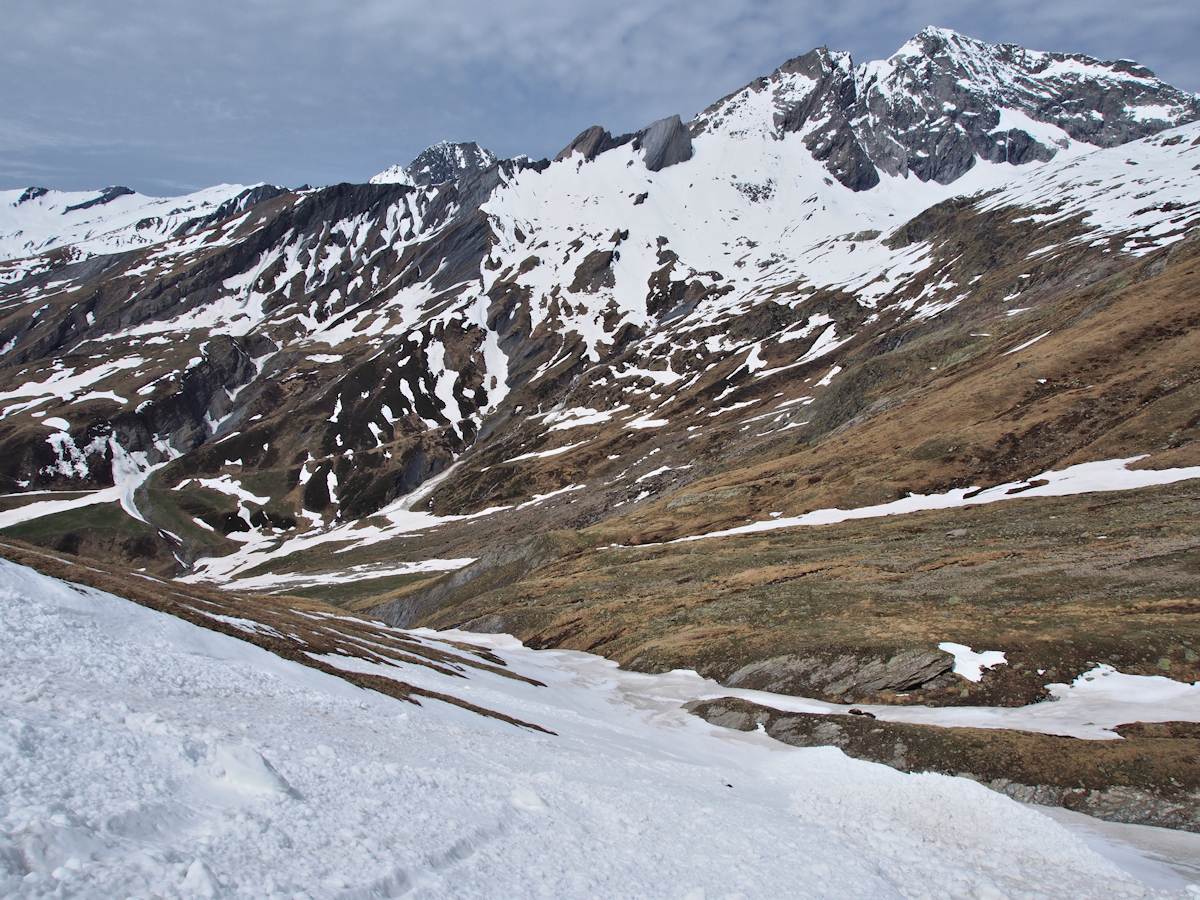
(872, 385)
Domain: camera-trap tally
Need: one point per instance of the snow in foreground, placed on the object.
(141, 755)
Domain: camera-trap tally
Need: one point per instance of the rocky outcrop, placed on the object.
(444, 161)
(848, 677)
(591, 142)
(447, 161)
(107, 195)
(32, 193)
(665, 143)
(250, 197)
(824, 114)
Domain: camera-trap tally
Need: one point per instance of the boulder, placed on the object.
(665, 143)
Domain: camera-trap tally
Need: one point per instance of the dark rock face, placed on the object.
(829, 106)
(443, 163)
(447, 161)
(665, 142)
(593, 141)
(248, 198)
(945, 99)
(594, 272)
(105, 196)
(32, 193)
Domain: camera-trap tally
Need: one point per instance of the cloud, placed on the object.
(323, 90)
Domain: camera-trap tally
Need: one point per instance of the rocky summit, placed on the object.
(444, 161)
(862, 359)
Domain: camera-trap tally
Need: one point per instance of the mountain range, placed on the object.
(515, 394)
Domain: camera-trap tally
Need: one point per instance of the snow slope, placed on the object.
(142, 755)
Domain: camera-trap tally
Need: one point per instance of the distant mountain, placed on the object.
(35, 221)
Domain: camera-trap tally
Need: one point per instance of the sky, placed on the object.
(167, 96)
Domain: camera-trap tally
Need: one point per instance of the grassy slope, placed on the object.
(1032, 577)
(1118, 375)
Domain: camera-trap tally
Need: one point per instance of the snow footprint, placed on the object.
(525, 799)
(243, 770)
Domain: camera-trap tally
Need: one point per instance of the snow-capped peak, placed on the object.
(444, 161)
(396, 174)
(945, 100)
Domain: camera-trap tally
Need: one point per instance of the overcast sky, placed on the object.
(170, 95)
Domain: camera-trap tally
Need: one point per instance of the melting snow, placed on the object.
(543, 454)
(1028, 343)
(968, 663)
(1104, 475)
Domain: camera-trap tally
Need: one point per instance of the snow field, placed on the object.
(142, 755)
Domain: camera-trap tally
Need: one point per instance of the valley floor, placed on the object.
(143, 755)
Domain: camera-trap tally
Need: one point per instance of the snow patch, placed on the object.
(968, 663)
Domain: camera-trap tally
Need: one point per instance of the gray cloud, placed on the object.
(166, 95)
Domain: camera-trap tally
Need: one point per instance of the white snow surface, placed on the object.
(397, 174)
(1089, 708)
(1144, 192)
(364, 572)
(144, 756)
(970, 663)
